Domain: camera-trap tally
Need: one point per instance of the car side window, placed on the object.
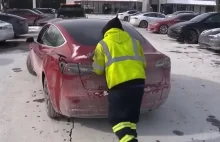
(160, 16)
(52, 37)
(214, 19)
(185, 17)
(152, 15)
(131, 12)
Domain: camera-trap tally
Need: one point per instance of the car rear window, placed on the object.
(89, 34)
(69, 11)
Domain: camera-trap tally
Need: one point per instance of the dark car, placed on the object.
(31, 16)
(180, 12)
(19, 24)
(189, 31)
(163, 25)
(71, 11)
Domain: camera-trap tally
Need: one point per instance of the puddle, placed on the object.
(4, 61)
(178, 133)
(17, 69)
(39, 100)
(215, 122)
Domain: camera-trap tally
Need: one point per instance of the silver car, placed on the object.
(210, 39)
(6, 31)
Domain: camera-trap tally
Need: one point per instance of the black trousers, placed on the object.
(124, 106)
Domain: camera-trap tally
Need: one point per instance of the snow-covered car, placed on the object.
(124, 16)
(142, 20)
(210, 39)
(6, 31)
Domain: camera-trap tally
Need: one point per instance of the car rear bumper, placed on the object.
(94, 104)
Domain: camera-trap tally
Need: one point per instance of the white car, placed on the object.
(142, 20)
(124, 16)
(6, 31)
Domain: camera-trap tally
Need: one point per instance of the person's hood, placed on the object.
(117, 35)
(113, 23)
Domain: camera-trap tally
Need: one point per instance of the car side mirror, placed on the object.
(29, 40)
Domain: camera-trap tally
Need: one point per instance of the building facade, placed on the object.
(112, 6)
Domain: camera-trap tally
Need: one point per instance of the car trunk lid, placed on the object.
(158, 68)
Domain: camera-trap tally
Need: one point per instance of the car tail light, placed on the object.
(76, 69)
(164, 63)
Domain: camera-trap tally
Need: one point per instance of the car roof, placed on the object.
(11, 15)
(83, 21)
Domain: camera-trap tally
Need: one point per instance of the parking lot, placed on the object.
(191, 113)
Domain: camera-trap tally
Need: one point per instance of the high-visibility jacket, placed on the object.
(120, 57)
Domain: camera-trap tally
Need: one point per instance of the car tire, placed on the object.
(29, 65)
(143, 24)
(49, 106)
(126, 18)
(191, 37)
(163, 29)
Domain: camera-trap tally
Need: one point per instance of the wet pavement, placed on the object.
(191, 113)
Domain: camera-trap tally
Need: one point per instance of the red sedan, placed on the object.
(163, 25)
(60, 59)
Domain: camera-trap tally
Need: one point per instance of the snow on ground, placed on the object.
(191, 113)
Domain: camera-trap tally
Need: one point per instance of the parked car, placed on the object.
(163, 25)
(189, 31)
(125, 15)
(31, 16)
(142, 20)
(180, 12)
(71, 11)
(6, 31)
(19, 24)
(51, 11)
(43, 21)
(210, 39)
(60, 59)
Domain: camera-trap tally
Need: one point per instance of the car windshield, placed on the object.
(69, 11)
(200, 17)
(81, 33)
(47, 11)
(37, 11)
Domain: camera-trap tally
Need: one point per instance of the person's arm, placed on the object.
(99, 60)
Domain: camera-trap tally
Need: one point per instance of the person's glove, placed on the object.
(90, 55)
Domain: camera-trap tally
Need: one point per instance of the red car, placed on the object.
(163, 25)
(60, 59)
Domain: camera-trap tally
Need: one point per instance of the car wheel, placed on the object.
(163, 29)
(191, 37)
(126, 18)
(49, 107)
(30, 66)
(143, 24)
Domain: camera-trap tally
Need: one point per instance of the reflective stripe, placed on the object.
(121, 126)
(105, 48)
(133, 126)
(127, 138)
(97, 67)
(122, 58)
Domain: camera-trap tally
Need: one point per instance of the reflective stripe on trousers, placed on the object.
(122, 58)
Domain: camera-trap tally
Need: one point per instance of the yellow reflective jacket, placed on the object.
(120, 57)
